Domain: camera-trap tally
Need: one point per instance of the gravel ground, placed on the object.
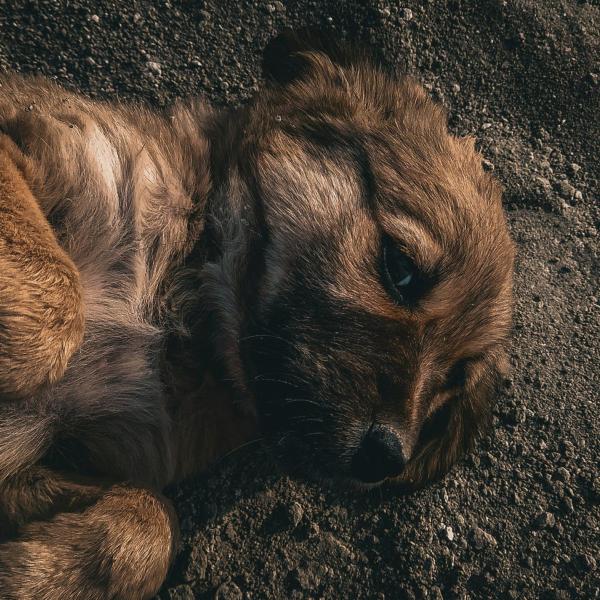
(520, 517)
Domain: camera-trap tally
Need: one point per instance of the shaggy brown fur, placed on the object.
(169, 281)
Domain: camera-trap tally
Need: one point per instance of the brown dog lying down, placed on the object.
(326, 265)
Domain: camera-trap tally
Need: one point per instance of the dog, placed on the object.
(326, 267)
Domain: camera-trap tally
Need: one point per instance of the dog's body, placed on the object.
(143, 256)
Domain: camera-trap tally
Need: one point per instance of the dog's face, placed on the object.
(374, 329)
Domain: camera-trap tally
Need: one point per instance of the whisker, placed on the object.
(302, 400)
(241, 447)
(307, 419)
(265, 379)
(263, 335)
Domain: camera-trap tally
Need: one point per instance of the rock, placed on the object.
(228, 591)
(567, 505)
(565, 189)
(584, 563)
(285, 517)
(406, 14)
(563, 474)
(181, 592)
(429, 564)
(574, 168)
(95, 19)
(196, 565)
(306, 578)
(545, 520)
(567, 449)
(295, 514)
(514, 416)
(487, 165)
(436, 593)
(449, 533)
(230, 532)
(543, 182)
(595, 487)
(90, 61)
(154, 67)
(482, 539)
(455, 88)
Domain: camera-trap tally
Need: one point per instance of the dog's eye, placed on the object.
(399, 271)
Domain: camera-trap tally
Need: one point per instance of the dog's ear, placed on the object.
(292, 55)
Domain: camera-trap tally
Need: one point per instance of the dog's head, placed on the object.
(363, 281)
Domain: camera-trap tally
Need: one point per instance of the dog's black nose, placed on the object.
(380, 455)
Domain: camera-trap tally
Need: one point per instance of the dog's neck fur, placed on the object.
(202, 361)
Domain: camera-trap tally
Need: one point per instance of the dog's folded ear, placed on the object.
(293, 54)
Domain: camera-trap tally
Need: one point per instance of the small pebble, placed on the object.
(545, 520)
(181, 592)
(567, 449)
(306, 578)
(228, 591)
(567, 505)
(197, 563)
(543, 182)
(295, 514)
(95, 18)
(482, 539)
(429, 564)
(584, 563)
(563, 474)
(230, 531)
(406, 14)
(566, 190)
(154, 67)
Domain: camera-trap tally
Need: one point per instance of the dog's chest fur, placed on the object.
(124, 190)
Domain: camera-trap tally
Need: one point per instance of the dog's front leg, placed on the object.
(41, 313)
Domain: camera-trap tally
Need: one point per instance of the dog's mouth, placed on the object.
(360, 459)
(321, 429)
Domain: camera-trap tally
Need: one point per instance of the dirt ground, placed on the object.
(520, 517)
